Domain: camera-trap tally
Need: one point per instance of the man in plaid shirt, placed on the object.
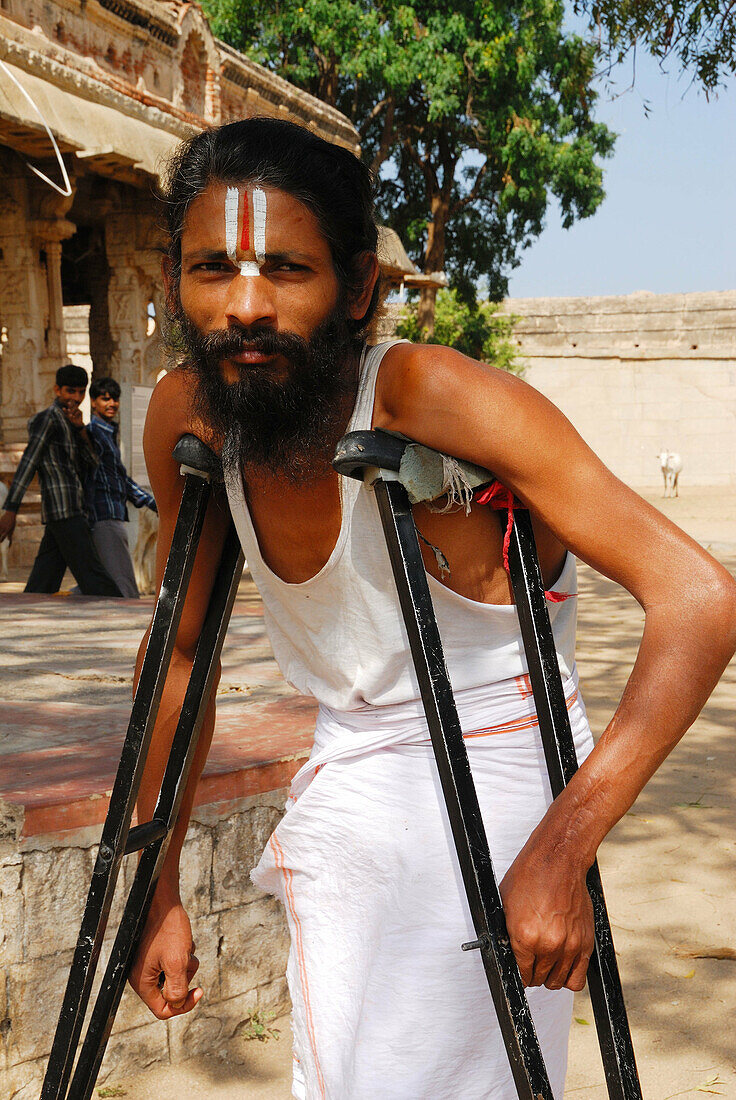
(111, 488)
(63, 455)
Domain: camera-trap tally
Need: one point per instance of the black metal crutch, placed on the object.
(198, 464)
(604, 981)
(377, 457)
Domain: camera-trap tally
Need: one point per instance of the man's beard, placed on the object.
(288, 425)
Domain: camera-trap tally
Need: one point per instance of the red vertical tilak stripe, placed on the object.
(245, 243)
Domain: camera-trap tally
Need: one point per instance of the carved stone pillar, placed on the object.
(212, 104)
(23, 315)
(128, 297)
(49, 233)
(49, 228)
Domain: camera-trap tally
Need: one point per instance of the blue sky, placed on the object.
(668, 222)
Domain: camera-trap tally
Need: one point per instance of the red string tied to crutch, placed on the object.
(498, 497)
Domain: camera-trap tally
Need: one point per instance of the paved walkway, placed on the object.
(669, 867)
(67, 669)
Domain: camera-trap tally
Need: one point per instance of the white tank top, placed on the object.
(339, 636)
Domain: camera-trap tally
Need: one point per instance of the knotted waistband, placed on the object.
(504, 707)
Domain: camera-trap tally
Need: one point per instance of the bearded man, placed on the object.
(271, 280)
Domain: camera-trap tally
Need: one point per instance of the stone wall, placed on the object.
(241, 938)
(637, 373)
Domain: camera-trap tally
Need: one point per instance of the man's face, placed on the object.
(265, 324)
(292, 289)
(105, 406)
(70, 397)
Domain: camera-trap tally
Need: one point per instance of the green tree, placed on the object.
(699, 35)
(477, 329)
(475, 115)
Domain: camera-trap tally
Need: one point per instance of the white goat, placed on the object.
(671, 465)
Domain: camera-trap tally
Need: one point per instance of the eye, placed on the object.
(289, 267)
(212, 265)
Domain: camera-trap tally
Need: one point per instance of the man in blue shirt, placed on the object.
(111, 488)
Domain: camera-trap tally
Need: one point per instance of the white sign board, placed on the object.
(139, 408)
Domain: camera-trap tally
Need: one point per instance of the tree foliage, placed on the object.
(475, 114)
(699, 35)
(479, 330)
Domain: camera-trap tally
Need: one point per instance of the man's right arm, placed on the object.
(38, 439)
(167, 947)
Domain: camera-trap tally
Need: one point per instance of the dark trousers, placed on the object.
(68, 542)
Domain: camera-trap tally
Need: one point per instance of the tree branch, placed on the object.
(424, 165)
(387, 137)
(474, 192)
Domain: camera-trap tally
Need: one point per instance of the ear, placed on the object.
(360, 298)
(57, 390)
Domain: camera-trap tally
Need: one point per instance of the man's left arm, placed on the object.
(138, 496)
(87, 447)
(492, 418)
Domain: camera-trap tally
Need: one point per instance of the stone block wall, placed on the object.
(637, 373)
(240, 934)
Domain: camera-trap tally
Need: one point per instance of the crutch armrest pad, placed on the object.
(197, 457)
(425, 474)
(358, 450)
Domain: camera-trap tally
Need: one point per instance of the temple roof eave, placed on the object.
(98, 134)
(79, 99)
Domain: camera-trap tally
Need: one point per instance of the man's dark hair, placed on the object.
(327, 179)
(104, 387)
(71, 375)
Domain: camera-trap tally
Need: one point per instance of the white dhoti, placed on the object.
(385, 1003)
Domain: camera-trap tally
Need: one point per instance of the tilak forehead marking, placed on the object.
(245, 228)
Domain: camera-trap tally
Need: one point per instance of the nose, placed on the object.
(250, 302)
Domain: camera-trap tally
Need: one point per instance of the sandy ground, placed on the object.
(669, 869)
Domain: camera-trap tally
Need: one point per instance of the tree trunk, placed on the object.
(434, 260)
(425, 311)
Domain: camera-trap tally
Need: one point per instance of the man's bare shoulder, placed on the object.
(424, 379)
(171, 414)
(173, 410)
(172, 396)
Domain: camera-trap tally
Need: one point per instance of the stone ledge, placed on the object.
(258, 747)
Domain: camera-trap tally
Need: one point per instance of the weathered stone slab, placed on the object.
(22, 1082)
(201, 1031)
(207, 933)
(254, 946)
(131, 1052)
(196, 870)
(4, 1023)
(11, 914)
(209, 1027)
(274, 996)
(35, 992)
(55, 886)
(239, 841)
